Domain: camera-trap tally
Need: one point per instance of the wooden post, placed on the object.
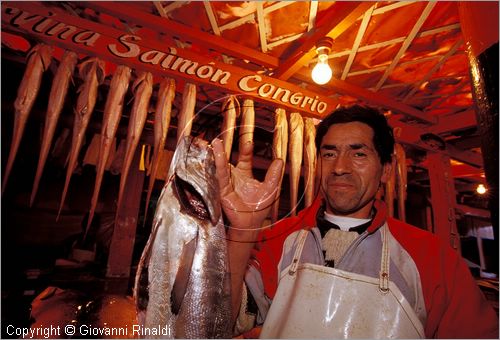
(122, 242)
(443, 199)
(479, 24)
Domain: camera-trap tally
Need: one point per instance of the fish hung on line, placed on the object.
(183, 282)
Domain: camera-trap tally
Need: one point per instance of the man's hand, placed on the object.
(245, 201)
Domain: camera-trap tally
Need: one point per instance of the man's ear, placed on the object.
(387, 168)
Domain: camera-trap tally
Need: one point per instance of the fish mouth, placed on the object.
(194, 164)
(191, 201)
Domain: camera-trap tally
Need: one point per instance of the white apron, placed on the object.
(314, 301)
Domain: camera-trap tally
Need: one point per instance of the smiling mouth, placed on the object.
(340, 185)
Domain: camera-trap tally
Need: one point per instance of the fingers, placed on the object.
(274, 174)
(221, 167)
(245, 158)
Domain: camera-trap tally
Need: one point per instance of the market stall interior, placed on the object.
(96, 96)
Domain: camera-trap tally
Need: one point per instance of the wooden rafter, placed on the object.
(215, 27)
(396, 40)
(455, 92)
(393, 6)
(381, 68)
(262, 27)
(369, 97)
(357, 41)
(164, 10)
(251, 17)
(330, 27)
(459, 121)
(271, 45)
(413, 33)
(313, 10)
(211, 17)
(129, 13)
(410, 134)
(434, 69)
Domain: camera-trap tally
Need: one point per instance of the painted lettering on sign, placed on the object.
(54, 26)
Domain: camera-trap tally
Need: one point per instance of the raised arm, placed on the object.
(246, 203)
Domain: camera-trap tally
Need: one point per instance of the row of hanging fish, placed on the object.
(294, 138)
(397, 183)
(92, 73)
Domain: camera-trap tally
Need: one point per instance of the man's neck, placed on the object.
(345, 223)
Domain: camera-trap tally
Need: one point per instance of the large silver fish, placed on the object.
(183, 280)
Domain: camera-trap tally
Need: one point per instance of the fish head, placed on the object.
(195, 182)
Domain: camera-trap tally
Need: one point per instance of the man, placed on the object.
(341, 268)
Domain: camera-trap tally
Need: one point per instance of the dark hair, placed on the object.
(383, 138)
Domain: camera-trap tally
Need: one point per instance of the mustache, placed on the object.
(343, 179)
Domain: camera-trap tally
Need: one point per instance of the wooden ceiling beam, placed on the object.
(406, 44)
(340, 86)
(262, 27)
(128, 12)
(329, 26)
(357, 41)
(409, 134)
(458, 121)
(434, 69)
(470, 211)
(313, 11)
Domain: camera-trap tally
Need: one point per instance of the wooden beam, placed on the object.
(211, 17)
(128, 12)
(398, 40)
(262, 27)
(435, 68)
(469, 142)
(152, 55)
(470, 211)
(337, 85)
(330, 26)
(357, 41)
(458, 121)
(443, 199)
(427, 10)
(467, 171)
(123, 239)
(409, 134)
(313, 11)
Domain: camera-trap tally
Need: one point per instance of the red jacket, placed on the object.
(455, 306)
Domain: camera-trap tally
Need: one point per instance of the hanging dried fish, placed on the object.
(142, 89)
(389, 192)
(186, 116)
(57, 96)
(247, 122)
(112, 114)
(401, 173)
(228, 124)
(309, 160)
(163, 112)
(280, 145)
(38, 62)
(295, 152)
(92, 73)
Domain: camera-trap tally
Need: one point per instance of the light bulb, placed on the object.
(321, 73)
(481, 189)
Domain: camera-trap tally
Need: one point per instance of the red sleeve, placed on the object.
(465, 313)
(456, 308)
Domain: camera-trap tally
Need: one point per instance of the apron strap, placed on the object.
(298, 251)
(384, 261)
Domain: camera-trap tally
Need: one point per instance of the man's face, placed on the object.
(350, 169)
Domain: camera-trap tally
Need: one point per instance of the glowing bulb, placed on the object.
(322, 73)
(481, 189)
